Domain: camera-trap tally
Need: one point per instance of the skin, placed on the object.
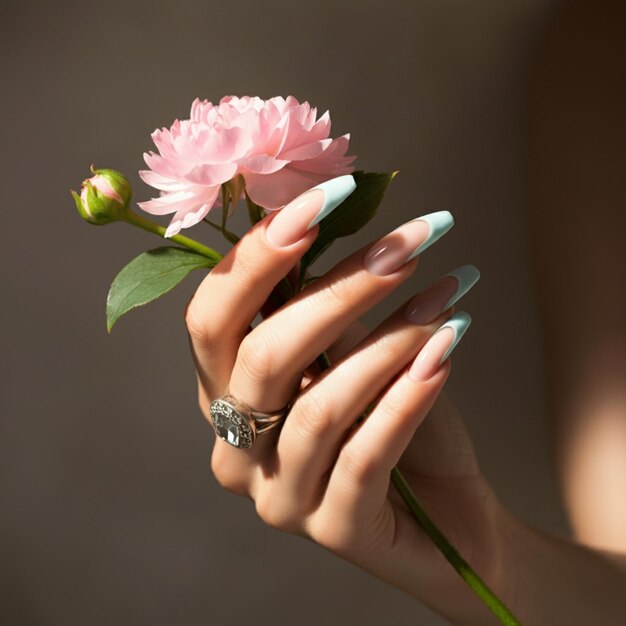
(577, 213)
(319, 478)
(315, 476)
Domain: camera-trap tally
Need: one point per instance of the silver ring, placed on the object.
(238, 424)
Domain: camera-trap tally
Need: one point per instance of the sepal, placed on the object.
(104, 197)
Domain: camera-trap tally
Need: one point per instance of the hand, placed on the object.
(320, 475)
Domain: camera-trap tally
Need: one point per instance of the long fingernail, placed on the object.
(438, 348)
(407, 241)
(442, 294)
(302, 213)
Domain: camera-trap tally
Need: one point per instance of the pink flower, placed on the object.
(277, 145)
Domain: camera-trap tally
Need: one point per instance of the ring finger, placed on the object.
(273, 356)
(328, 407)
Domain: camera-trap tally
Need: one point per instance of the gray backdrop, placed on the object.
(109, 512)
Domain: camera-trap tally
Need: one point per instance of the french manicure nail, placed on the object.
(406, 242)
(309, 208)
(438, 348)
(442, 294)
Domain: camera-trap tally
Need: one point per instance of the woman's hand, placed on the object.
(321, 475)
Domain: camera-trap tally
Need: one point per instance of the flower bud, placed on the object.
(104, 197)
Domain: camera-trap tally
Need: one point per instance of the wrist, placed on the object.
(545, 579)
(486, 551)
(497, 562)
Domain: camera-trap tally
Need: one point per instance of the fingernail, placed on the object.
(442, 294)
(439, 347)
(407, 241)
(302, 213)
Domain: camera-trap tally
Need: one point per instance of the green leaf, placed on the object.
(351, 215)
(149, 276)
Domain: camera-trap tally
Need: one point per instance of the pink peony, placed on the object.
(277, 145)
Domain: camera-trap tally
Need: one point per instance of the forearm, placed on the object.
(555, 581)
(576, 189)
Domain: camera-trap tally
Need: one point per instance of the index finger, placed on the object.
(231, 295)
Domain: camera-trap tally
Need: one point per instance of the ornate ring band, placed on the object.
(238, 424)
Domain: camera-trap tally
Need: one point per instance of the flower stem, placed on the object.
(323, 361)
(187, 242)
(463, 569)
(283, 292)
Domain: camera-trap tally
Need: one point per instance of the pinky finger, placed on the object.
(359, 482)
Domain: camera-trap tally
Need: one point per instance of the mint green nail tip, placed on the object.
(459, 323)
(439, 224)
(467, 276)
(336, 190)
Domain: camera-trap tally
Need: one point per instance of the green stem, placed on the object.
(323, 361)
(463, 569)
(284, 292)
(157, 229)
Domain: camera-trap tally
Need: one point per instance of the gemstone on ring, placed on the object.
(231, 425)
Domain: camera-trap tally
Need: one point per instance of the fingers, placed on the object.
(358, 485)
(441, 446)
(327, 408)
(273, 356)
(229, 298)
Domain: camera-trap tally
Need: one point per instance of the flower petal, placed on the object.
(225, 144)
(277, 144)
(332, 161)
(321, 128)
(163, 183)
(188, 218)
(307, 150)
(262, 164)
(211, 173)
(168, 203)
(273, 191)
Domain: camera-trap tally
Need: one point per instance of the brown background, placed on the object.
(109, 512)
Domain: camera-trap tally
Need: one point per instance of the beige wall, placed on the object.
(109, 513)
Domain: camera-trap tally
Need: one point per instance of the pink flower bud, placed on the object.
(104, 197)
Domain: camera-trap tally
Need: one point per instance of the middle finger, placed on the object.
(326, 410)
(272, 357)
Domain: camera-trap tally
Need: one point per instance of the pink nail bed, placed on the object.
(292, 221)
(428, 304)
(439, 346)
(428, 361)
(308, 209)
(392, 251)
(442, 294)
(406, 242)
